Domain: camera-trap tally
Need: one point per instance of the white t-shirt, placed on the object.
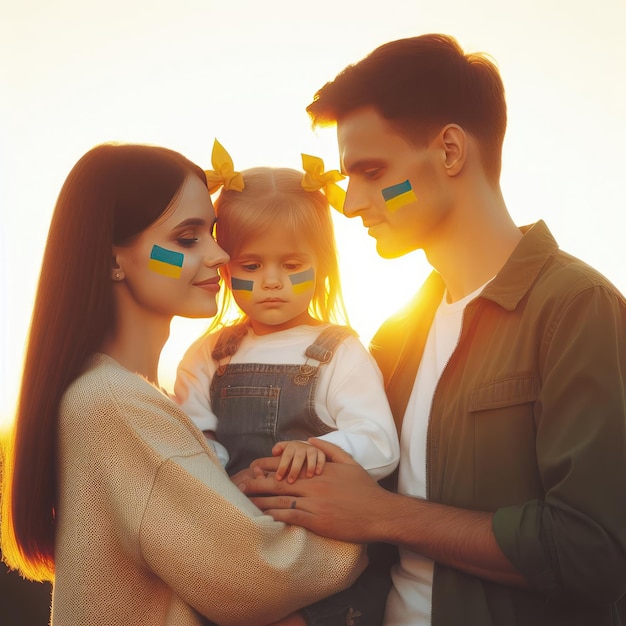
(350, 395)
(410, 598)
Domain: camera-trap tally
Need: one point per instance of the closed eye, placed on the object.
(372, 173)
(187, 242)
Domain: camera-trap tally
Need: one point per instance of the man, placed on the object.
(506, 373)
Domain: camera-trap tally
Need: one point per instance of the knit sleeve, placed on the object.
(219, 553)
(195, 530)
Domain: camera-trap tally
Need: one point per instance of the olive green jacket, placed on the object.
(528, 421)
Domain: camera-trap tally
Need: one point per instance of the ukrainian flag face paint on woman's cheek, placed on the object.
(398, 196)
(166, 262)
(302, 281)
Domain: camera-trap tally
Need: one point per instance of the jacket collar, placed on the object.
(523, 266)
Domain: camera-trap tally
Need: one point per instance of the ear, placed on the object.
(455, 144)
(117, 272)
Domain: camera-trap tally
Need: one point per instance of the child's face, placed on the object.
(273, 279)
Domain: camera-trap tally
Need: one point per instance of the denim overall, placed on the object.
(259, 404)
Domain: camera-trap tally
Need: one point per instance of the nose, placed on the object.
(355, 201)
(215, 256)
(271, 279)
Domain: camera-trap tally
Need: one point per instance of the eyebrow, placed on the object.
(193, 221)
(301, 256)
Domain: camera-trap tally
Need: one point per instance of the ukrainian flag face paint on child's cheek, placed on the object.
(302, 281)
(398, 196)
(166, 262)
(243, 288)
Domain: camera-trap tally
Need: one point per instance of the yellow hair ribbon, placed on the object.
(223, 172)
(316, 178)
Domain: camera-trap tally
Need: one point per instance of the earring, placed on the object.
(117, 275)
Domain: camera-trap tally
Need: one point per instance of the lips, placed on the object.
(212, 285)
(372, 228)
(369, 224)
(271, 300)
(209, 281)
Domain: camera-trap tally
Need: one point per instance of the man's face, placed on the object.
(398, 189)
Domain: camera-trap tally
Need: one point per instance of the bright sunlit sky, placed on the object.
(75, 73)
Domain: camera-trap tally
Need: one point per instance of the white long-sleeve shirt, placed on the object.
(349, 397)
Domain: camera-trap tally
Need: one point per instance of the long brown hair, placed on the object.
(112, 194)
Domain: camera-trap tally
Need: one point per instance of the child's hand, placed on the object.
(294, 455)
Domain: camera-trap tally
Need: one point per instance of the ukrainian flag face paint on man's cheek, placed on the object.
(398, 196)
(166, 262)
(243, 288)
(302, 281)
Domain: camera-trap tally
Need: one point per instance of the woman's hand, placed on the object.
(243, 475)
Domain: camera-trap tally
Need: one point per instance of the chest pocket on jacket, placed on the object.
(508, 392)
(505, 440)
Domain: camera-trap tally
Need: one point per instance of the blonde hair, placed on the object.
(275, 196)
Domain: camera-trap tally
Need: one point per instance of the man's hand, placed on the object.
(343, 503)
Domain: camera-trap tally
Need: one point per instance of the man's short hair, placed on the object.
(419, 85)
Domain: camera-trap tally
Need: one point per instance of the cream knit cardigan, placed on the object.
(150, 530)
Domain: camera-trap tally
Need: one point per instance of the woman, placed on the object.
(109, 488)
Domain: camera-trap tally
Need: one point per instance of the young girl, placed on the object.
(284, 372)
(108, 487)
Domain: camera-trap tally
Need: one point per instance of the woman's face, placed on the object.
(171, 268)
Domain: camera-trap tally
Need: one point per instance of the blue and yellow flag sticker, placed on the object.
(302, 281)
(166, 262)
(398, 195)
